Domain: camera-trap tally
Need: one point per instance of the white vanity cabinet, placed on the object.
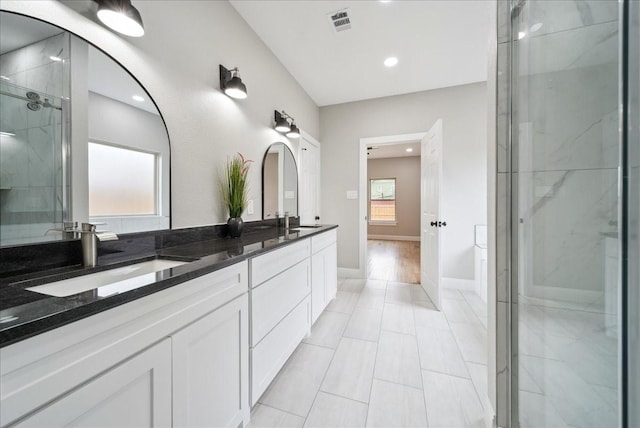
(210, 369)
(177, 357)
(135, 393)
(280, 310)
(324, 271)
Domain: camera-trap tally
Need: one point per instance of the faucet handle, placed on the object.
(88, 227)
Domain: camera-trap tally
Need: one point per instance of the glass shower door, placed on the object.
(31, 165)
(565, 181)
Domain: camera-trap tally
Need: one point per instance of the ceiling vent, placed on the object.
(340, 20)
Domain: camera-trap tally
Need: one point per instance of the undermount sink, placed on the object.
(109, 282)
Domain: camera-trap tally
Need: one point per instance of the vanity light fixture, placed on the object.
(121, 16)
(231, 83)
(286, 124)
(295, 132)
(282, 124)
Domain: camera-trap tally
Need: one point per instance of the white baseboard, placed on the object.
(459, 284)
(350, 273)
(394, 238)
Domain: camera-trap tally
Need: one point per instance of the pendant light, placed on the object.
(121, 16)
(231, 83)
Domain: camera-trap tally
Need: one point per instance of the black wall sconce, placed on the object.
(231, 83)
(121, 16)
(286, 124)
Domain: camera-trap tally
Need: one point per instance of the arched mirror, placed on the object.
(80, 138)
(279, 182)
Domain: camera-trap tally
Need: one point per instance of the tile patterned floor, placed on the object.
(382, 356)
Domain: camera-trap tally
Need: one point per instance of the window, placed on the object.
(382, 200)
(122, 181)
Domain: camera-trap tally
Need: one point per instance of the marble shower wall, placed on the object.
(31, 160)
(567, 148)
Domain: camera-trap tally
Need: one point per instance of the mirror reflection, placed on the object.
(279, 182)
(80, 138)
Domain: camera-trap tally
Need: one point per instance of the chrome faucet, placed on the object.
(89, 241)
(286, 221)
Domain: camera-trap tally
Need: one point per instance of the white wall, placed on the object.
(177, 62)
(464, 188)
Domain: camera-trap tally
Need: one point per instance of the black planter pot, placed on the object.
(235, 226)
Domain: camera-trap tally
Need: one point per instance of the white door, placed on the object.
(430, 221)
(135, 393)
(309, 180)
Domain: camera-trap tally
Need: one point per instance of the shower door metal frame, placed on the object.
(629, 277)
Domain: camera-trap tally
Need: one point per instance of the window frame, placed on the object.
(373, 222)
(157, 174)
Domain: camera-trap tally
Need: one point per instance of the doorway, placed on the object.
(390, 208)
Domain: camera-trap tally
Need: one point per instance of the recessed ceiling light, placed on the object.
(392, 61)
(385, 1)
(521, 35)
(138, 98)
(55, 58)
(536, 27)
(409, 149)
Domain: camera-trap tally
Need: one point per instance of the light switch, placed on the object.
(250, 206)
(352, 194)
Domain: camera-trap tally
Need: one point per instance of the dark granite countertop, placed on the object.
(25, 313)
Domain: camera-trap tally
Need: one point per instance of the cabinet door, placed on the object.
(331, 272)
(324, 279)
(210, 369)
(135, 393)
(318, 287)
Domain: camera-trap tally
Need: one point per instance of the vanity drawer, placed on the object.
(269, 265)
(323, 240)
(273, 351)
(275, 298)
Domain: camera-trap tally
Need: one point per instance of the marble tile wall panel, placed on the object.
(570, 115)
(504, 20)
(502, 219)
(41, 156)
(569, 211)
(503, 107)
(503, 375)
(560, 16)
(13, 113)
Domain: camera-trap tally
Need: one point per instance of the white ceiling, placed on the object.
(439, 43)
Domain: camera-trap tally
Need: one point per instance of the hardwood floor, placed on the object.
(394, 260)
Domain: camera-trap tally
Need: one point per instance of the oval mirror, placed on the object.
(81, 139)
(279, 182)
